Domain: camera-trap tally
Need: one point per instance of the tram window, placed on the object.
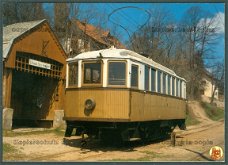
(73, 74)
(177, 87)
(146, 78)
(159, 81)
(164, 83)
(92, 73)
(169, 88)
(184, 90)
(134, 76)
(153, 80)
(173, 86)
(181, 89)
(117, 73)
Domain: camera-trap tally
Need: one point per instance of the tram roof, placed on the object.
(121, 54)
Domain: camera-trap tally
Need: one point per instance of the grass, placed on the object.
(190, 118)
(213, 112)
(11, 153)
(8, 148)
(57, 131)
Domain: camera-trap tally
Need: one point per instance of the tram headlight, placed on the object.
(90, 104)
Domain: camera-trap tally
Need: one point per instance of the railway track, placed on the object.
(178, 133)
(199, 129)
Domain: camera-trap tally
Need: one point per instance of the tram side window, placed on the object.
(134, 76)
(147, 78)
(92, 73)
(181, 95)
(164, 83)
(184, 90)
(117, 73)
(153, 80)
(169, 88)
(177, 87)
(73, 74)
(173, 86)
(159, 81)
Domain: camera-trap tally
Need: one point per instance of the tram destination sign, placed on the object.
(39, 64)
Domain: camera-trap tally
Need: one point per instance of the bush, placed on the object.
(213, 112)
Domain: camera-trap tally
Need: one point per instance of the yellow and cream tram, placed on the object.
(119, 92)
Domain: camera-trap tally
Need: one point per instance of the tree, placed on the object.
(198, 36)
(61, 19)
(14, 12)
(155, 39)
(218, 71)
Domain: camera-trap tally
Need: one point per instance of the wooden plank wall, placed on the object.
(145, 106)
(110, 103)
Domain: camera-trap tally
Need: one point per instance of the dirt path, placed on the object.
(199, 112)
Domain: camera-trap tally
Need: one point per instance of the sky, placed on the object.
(134, 15)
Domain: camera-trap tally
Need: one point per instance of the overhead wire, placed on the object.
(125, 7)
(125, 16)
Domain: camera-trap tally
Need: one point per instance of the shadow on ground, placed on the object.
(110, 145)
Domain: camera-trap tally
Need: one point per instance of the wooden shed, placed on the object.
(33, 72)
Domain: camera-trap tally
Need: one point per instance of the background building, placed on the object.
(84, 37)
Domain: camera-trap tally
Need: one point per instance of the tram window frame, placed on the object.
(108, 73)
(146, 78)
(101, 73)
(76, 75)
(137, 77)
(159, 86)
(153, 79)
(164, 80)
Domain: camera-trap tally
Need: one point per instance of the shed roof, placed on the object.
(13, 31)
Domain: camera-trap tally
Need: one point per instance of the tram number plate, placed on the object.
(39, 64)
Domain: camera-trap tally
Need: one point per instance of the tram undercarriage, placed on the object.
(146, 131)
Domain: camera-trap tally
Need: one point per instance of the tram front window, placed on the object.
(92, 73)
(116, 73)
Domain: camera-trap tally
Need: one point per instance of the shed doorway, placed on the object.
(32, 99)
(34, 90)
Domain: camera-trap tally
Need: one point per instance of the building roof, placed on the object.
(98, 34)
(13, 31)
(122, 54)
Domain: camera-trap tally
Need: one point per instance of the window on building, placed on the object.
(92, 73)
(164, 83)
(159, 82)
(153, 80)
(116, 73)
(73, 74)
(173, 86)
(146, 80)
(169, 87)
(134, 76)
